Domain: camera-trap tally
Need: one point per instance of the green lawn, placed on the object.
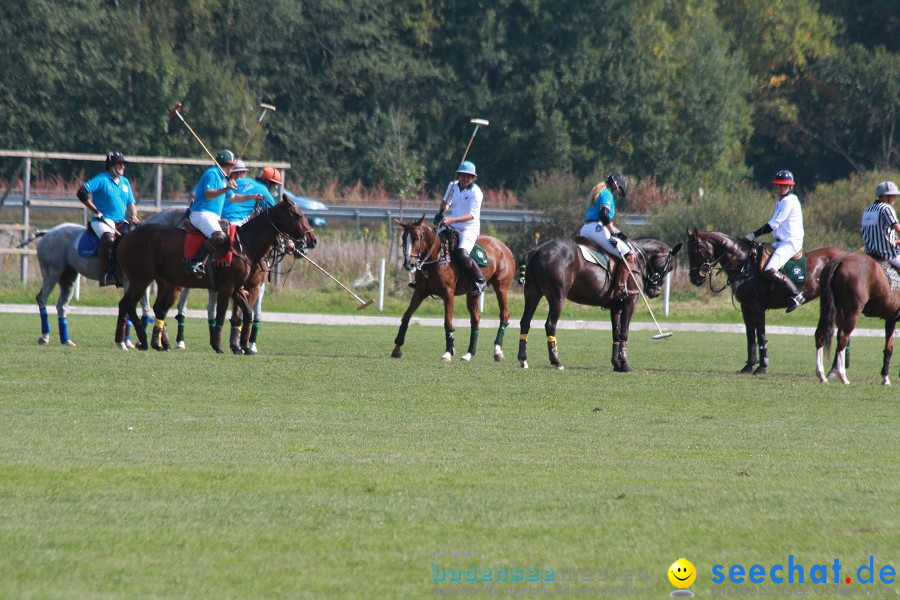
(323, 468)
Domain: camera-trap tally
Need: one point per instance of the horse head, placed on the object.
(706, 249)
(419, 243)
(290, 223)
(659, 261)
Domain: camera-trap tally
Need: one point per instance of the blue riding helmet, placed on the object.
(467, 167)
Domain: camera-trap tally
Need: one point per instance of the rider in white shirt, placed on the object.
(786, 225)
(463, 199)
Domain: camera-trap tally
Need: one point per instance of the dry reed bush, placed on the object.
(646, 196)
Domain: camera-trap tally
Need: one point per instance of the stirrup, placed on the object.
(198, 270)
(796, 302)
(478, 288)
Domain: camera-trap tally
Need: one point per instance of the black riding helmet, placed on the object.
(619, 182)
(114, 158)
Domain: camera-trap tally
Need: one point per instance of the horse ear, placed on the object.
(284, 198)
(399, 222)
(676, 248)
(420, 221)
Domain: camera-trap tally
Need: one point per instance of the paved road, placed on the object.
(364, 319)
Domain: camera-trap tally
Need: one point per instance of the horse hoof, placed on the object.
(498, 353)
(219, 351)
(121, 346)
(68, 343)
(465, 357)
(129, 343)
(832, 374)
(523, 364)
(622, 368)
(142, 347)
(180, 345)
(236, 350)
(446, 357)
(746, 369)
(822, 377)
(886, 381)
(845, 381)
(558, 367)
(251, 351)
(44, 340)
(760, 371)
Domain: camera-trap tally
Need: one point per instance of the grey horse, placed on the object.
(61, 264)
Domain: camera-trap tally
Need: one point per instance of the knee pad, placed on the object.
(216, 240)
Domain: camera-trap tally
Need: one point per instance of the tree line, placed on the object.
(690, 93)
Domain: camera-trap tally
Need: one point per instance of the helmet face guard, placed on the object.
(618, 183)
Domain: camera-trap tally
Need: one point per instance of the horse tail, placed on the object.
(827, 310)
(523, 266)
(37, 234)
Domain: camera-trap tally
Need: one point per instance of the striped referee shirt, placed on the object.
(878, 230)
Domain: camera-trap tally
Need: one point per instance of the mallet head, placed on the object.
(479, 122)
(265, 106)
(175, 110)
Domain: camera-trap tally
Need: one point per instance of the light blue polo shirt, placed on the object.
(110, 197)
(212, 179)
(604, 199)
(235, 212)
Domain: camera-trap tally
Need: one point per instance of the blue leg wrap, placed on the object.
(128, 329)
(45, 322)
(63, 330)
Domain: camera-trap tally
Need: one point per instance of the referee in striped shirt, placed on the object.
(880, 226)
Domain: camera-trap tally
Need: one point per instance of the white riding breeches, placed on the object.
(599, 234)
(101, 226)
(783, 253)
(206, 222)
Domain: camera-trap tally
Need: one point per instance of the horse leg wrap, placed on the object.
(156, 338)
(63, 330)
(764, 355)
(498, 341)
(847, 356)
(473, 342)
(215, 337)
(254, 332)
(235, 340)
(451, 341)
(45, 321)
(523, 346)
(752, 356)
(401, 334)
(551, 350)
(212, 325)
(180, 336)
(623, 353)
(615, 354)
(886, 367)
(147, 319)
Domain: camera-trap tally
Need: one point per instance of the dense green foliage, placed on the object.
(691, 93)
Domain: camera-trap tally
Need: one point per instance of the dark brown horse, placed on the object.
(738, 258)
(436, 275)
(558, 271)
(854, 284)
(157, 252)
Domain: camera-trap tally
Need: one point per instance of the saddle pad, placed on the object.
(892, 274)
(88, 244)
(479, 255)
(593, 256)
(193, 241)
(795, 269)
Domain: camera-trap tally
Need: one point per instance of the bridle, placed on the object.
(422, 258)
(654, 276)
(709, 262)
(300, 243)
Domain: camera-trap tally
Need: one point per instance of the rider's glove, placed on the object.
(750, 237)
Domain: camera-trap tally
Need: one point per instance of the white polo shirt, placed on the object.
(787, 222)
(465, 202)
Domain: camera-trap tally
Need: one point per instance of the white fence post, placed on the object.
(381, 285)
(666, 295)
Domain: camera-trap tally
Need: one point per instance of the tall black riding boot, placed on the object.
(196, 266)
(797, 297)
(107, 261)
(465, 263)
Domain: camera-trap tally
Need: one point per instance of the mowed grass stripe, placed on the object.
(324, 468)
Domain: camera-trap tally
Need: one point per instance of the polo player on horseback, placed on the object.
(880, 227)
(786, 225)
(463, 197)
(598, 227)
(109, 196)
(214, 188)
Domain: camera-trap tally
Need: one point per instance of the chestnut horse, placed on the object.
(436, 275)
(739, 259)
(157, 252)
(558, 271)
(854, 284)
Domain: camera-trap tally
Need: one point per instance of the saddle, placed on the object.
(594, 253)
(186, 225)
(449, 242)
(890, 271)
(89, 244)
(794, 269)
(194, 239)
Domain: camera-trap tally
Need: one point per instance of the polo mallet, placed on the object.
(478, 123)
(362, 303)
(661, 335)
(175, 113)
(266, 108)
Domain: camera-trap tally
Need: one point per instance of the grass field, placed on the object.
(321, 468)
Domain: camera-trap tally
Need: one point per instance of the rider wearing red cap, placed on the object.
(786, 225)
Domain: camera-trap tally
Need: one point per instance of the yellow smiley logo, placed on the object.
(682, 573)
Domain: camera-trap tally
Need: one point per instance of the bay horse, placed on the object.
(436, 275)
(157, 252)
(738, 258)
(854, 284)
(557, 270)
(60, 263)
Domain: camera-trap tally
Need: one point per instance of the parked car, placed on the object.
(310, 207)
